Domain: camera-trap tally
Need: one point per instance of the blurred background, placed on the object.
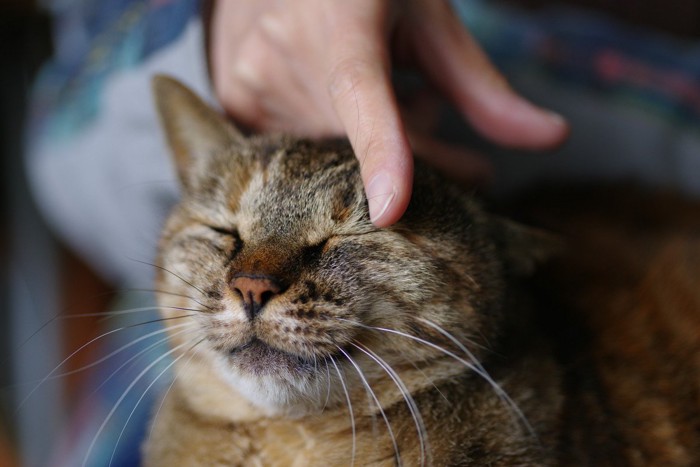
(626, 73)
(38, 275)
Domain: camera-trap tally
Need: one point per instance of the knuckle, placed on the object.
(256, 62)
(276, 30)
(345, 75)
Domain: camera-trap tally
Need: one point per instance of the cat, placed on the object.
(303, 335)
(622, 308)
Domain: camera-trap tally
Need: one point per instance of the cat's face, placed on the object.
(290, 284)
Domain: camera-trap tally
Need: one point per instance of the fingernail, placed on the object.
(555, 118)
(380, 194)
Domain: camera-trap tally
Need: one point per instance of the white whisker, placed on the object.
(57, 317)
(455, 341)
(165, 395)
(131, 414)
(376, 401)
(430, 380)
(410, 402)
(119, 350)
(63, 362)
(328, 383)
(121, 398)
(111, 314)
(352, 414)
(173, 274)
(135, 358)
(476, 369)
(166, 292)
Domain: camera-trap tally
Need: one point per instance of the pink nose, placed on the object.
(255, 290)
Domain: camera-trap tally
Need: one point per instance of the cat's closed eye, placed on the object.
(313, 252)
(227, 231)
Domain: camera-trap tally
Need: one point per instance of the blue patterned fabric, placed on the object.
(93, 41)
(651, 72)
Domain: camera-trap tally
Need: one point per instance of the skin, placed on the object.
(323, 67)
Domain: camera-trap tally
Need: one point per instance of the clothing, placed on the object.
(97, 160)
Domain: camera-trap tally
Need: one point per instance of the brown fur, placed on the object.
(271, 390)
(626, 292)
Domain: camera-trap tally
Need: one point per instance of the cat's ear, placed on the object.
(195, 132)
(523, 247)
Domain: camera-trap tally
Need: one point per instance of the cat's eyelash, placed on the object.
(224, 231)
(227, 233)
(315, 250)
(318, 247)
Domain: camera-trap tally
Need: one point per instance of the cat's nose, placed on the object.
(255, 290)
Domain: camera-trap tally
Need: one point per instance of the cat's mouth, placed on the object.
(259, 357)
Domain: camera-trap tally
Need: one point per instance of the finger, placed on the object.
(230, 23)
(360, 90)
(458, 66)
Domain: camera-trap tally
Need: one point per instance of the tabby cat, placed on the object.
(303, 335)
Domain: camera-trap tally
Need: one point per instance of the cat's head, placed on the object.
(285, 283)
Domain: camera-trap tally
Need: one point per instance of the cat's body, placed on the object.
(622, 305)
(294, 320)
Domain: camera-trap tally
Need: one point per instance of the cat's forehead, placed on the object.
(302, 189)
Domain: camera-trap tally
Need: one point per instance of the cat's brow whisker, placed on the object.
(376, 401)
(145, 391)
(123, 395)
(410, 402)
(91, 341)
(352, 414)
(494, 385)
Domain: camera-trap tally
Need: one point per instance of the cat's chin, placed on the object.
(260, 359)
(275, 381)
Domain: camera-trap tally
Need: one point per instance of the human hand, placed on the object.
(323, 67)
